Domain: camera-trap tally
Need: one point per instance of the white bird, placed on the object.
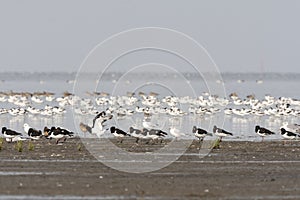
(148, 125)
(36, 99)
(97, 129)
(26, 127)
(176, 132)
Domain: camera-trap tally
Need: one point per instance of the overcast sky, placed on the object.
(241, 36)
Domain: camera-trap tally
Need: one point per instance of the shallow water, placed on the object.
(242, 127)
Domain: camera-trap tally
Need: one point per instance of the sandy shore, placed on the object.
(238, 170)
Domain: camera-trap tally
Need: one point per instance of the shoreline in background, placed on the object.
(10, 76)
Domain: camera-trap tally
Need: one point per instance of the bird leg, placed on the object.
(153, 141)
(137, 140)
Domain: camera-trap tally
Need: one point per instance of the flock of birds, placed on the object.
(151, 131)
(148, 105)
(148, 132)
(34, 134)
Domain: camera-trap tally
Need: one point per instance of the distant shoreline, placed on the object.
(113, 75)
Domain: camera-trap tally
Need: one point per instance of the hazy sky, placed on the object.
(56, 35)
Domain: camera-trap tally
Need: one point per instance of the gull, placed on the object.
(148, 125)
(176, 132)
(98, 129)
(101, 118)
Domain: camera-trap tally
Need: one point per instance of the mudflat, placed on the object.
(236, 170)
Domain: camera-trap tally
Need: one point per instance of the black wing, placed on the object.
(226, 132)
(290, 133)
(119, 131)
(201, 131)
(11, 132)
(101, 114)
(267, 131)
(33, 132)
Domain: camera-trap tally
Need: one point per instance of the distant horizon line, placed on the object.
(120, 72)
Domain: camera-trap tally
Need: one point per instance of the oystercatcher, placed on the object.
(136, 133)
(288, 135)
(262, 132)
(153, 134)
(58, 133)
(221, 132)
(295, 128)
(34, 134)
(200, 133)
(118, 133)
(10, 134)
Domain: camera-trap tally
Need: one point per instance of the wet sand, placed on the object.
(237, 170)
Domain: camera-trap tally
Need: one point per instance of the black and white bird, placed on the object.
(10, 135)
(97, 129)
(58, 133)
(221, 132)
(200, 133)
(153, 134)
(294, 128)
(101, 118)
(46, 132)
(34, 134)
(118, 133)
(262, 132)
(98, 124)
(136, 133)
(158, 132)
(65, 132)
(288, 135)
